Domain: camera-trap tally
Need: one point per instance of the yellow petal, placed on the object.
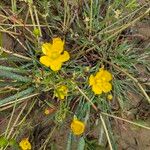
(45, 60)
(110, 97)
(101, 69)
(55, 65)
(46, 111)
(62, 96)
(91, 80)
(97, 89)
(46, 48)
(54, 55)
(55, 40)
(25, 144)
(61, 92)
(64, 57)
(107, 87)
(104, 75)
(58, 45)
(107, 75)
(77, 127)
(99, 74)
(64, 89)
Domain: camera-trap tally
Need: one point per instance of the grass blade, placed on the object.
(69, 142)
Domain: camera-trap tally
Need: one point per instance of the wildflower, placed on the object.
(101, 81)
(77, 127)
(110, 97)
(87, 19)
(87, 69)
(54, 54)
(61, 92)
(48, 111)
(117, 13)
(25, 144)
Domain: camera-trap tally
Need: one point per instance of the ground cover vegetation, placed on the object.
(74, 74)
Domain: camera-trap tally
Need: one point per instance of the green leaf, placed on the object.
(12, 69)
(3, 142)
(12, 59)
(14, 84)
(10, 75)
(81, 144)
(17, 95)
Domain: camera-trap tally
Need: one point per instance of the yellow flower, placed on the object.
(110, 97)
(77, 127)
(25, 144)
(54, 54)
(48, 111)
(61, 92)
(117, 13)
(101, 81)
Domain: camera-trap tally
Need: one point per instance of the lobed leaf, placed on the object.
(14, 76)
(12, 69)
(17, 95)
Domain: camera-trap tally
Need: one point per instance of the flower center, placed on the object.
(54, 55)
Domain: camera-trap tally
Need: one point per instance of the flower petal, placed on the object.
(107, 75)
(99, 74)
(107, 87)
(104, 75)
(109, 97)
(77, 127)
(91, 80)
(25, 144)
(58, 45)
(55, 65)
(96, 89)
(61, 92)
(45, 60)
(46, 48)
(64, 57)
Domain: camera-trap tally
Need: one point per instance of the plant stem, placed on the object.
(106, 131)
